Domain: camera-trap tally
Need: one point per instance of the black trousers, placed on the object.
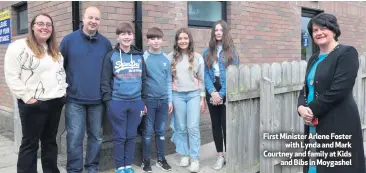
(39, 122)
(218, 119)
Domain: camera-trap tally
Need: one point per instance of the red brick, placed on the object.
(154, 14)
(257, 27)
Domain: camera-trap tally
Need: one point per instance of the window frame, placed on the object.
(310, 13)
(207, 24)
(19, 7)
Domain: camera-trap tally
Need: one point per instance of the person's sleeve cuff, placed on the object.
(203, 94)
(26, 97)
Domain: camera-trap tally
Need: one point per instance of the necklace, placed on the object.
(317, 58)
(335, 47)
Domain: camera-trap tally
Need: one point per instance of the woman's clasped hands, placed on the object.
(306, 114)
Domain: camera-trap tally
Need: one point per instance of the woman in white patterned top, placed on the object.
(35, 75)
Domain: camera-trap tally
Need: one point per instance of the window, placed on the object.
(205, 14)
(308, 47)
(21, 17)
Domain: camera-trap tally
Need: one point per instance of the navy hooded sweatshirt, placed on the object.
(123, 75)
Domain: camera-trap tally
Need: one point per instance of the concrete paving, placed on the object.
(207, 160)
(8, 159)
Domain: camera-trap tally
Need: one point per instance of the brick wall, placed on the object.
(60, 11)
(351, 18)
(61, 14)
(265, 31)
(113, 13)
(5, 95)
(262, 31)
(169, 16)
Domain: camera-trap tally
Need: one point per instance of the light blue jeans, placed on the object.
(186, 118)
(78, 119)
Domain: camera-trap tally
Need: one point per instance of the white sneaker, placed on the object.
(184, 161)
(195, 166)
(220, 162)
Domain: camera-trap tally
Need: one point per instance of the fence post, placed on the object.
(357, 89)
(358, 92)
(266, 122)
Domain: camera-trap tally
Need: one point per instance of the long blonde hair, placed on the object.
(36, 47)
(177, 55)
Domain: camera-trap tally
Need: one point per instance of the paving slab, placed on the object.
(207, 160)
(8, 159)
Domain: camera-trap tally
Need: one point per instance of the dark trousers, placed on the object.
(125, 116)
(218, 118)
(39, 122)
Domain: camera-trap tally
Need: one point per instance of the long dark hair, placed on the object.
(36, 47)
(178, 51)
(227, 45)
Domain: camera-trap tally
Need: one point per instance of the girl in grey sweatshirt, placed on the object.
(188, 98)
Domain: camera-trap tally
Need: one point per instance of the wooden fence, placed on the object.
(264, 99)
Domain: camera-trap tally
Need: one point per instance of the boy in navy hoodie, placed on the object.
(157, 95)
(123, 73)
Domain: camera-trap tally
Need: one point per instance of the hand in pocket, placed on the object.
(31, 101)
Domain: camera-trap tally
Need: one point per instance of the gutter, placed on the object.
(138, 24)
(75, 15)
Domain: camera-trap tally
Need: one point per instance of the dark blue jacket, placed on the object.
(83, 64)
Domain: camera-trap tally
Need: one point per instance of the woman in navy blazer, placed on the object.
(326, 103)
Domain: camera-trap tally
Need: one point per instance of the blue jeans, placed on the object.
(125, 116)
(187, 118)
(157, 112)
(78, 118)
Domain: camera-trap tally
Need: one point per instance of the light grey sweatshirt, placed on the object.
(187, 80)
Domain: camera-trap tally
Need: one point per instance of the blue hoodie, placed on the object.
(122, 75)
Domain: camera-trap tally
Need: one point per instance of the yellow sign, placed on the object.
(4, 15)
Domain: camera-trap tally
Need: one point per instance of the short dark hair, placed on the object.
(124, 28)
(154, 32)
(325, 20)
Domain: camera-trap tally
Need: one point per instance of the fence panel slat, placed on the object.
(265, 70)
(277, 106)
(266, 122)
(254, 152)
(244, 111)
(286, 102)
(232, 83)
(361, 89)
(275, 74)
(263, 99)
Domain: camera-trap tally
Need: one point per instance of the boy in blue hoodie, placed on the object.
(122, 79)
(157, 95)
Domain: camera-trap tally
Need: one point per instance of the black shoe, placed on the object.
(145, 166)
(163, 165)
